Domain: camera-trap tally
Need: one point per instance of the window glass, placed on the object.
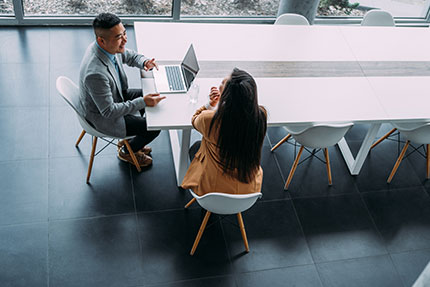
(6, 7)
(398, 8)
(94, 7)
(229, 7)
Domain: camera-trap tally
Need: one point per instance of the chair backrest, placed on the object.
(224, 203)
(415, 132)
(69, 91)
(378, 18)
(320, 135)
(291, 19)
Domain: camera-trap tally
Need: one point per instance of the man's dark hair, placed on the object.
(104, 21)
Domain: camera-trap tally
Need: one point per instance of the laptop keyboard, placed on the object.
(173, 74)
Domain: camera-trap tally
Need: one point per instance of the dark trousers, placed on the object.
(136, 126)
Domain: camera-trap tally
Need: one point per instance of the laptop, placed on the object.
(177, 78)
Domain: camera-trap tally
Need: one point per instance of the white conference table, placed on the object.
(291, 100)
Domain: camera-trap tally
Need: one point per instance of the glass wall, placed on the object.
(229, 7)
(398, 8)
(6, 8)
(94, 7)
(417, 10)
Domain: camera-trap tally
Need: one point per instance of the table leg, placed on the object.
(355, 165)
(180, 149)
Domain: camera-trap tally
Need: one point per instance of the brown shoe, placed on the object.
(143, 159)
(145, 150)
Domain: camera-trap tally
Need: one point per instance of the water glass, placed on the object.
(193, 93)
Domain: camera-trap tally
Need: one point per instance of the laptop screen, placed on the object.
(190, 66)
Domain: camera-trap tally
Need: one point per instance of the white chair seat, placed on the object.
(291, 19)
(378, 18)
(225, 204)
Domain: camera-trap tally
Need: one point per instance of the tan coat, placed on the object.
(205, 173)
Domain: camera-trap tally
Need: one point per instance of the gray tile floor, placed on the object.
(130, 229)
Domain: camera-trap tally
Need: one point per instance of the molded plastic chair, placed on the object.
(417, 133)
(318, 136)
(70, 93)
(223, 203)
(377, 18)
(291, 19)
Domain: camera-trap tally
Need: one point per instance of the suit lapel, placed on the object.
(111, 68)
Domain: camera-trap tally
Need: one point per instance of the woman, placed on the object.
(228, 159)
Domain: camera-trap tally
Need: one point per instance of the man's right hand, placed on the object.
(152, 99)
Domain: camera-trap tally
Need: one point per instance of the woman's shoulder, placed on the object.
(263, 111)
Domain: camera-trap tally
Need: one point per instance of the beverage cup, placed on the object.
(193, 93)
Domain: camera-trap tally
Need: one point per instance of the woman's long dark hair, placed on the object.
(241, 125)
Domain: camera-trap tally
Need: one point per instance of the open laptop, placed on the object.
(177, 78)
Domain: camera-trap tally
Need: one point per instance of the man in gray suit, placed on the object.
(106, 101)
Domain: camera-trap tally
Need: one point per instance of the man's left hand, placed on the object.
(150, 64)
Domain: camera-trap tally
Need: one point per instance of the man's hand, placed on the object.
(150, 64)
(152, 100)
(214, 96)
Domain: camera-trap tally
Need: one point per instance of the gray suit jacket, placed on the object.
(101, 98)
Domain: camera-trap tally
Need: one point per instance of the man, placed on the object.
(107, 102)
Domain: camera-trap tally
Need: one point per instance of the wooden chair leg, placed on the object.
(80, 138)
(383, 138)
(133, 156)
(428, 161)
(281, 142)
(242, 231)
(327, 162)
(190, 202)
(200, 233)
(399, 160)
(293, 168)
(90, 165)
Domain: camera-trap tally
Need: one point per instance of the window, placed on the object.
(229, 7)
(94, 7)
(6, 8)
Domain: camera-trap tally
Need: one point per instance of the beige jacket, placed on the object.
(205, 173)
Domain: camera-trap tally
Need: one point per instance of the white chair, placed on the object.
(70, 93)
(224, 204)
(377, 18)
(417, 133)
(291, 19)
(317, 136)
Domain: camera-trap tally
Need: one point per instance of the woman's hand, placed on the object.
(214, 97)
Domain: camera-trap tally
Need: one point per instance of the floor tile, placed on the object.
(95, 252)
(69, 43)
(410, 264)
(23, 191)
(225, 281)
(24, 133)
(360, 273)
(24, 45)
(402, 217)
(338, 227)
(25, 84)
(305, 275)
(108, 193)
(23, 253)
(167, 238)
(158, 182)
(278, 244)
